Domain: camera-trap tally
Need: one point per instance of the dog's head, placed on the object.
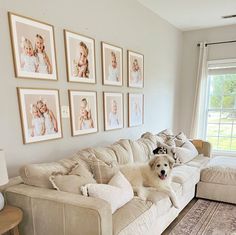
(160, 150)
(161, 165)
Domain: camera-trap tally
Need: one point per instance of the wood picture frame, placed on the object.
(112, 64)
(113, 110)
(135, 109)
(135, 69)
(33, 48)
(40, 114)
(80, 57)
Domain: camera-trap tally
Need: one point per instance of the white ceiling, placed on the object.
(193, 14)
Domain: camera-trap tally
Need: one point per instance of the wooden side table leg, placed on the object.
(15, 231)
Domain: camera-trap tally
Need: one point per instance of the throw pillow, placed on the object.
(186, 153)
(69, 183)
(117, 192)
(180, 139)
(103, 171)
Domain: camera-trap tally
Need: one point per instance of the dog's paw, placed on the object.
(84, 190)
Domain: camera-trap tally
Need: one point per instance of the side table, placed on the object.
(10, 217)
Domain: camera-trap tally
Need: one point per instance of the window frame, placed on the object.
(219, 64)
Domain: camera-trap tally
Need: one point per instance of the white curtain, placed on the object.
(200, 99)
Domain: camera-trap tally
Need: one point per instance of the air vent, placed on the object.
(229, 16)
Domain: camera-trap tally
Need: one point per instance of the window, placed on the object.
(221, 109)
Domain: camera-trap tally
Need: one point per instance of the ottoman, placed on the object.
(218, 180)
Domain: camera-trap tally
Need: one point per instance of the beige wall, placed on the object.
(125, 23)
(190, 61)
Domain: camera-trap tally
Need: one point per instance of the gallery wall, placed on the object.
(124, 23)
(190, 61)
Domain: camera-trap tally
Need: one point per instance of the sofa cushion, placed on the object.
(142, 149)
(136, 217)
(104, 154)
(185, 175)
(180, 139)
(200, 161)
(186, 153)
(117, 192)
(123, 151)
(220, 170)
(38, 174)
(102, 171)
(69, 183)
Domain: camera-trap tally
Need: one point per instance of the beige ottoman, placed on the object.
(218, 180)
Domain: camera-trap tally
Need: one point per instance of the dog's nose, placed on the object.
(163, 172)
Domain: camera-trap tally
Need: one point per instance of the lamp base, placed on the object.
(1, 201)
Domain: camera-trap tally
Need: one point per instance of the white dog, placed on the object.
(155, 174)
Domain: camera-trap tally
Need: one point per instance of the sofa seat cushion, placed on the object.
(135, 217)
(186, 176)
(200, 161)
(162, 201)
(220, 170)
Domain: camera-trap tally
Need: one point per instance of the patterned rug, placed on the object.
(208, 218)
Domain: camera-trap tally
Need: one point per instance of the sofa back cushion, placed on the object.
(123, 151)
(38, 174)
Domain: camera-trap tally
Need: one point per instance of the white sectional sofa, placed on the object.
(50, 212)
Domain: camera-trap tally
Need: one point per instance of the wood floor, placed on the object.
(180, 216)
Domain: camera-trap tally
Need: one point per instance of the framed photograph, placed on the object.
(135, 69)
(113, 110)
(80, 57)
(112, 64)
(83, 110)
(40, 114)
(33, 47)
(136, 109)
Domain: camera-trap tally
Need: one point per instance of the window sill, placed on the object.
(223, 153)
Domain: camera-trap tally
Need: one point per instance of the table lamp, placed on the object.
(3, 176)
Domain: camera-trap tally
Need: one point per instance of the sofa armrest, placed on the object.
(47, 211)
(203, 147)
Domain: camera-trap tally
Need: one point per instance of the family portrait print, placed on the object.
(112, 64)
(135, 69)
(83, 107)
(136, 105)
(40, 114)
(80, 57)
(113, 110)
(33, 48)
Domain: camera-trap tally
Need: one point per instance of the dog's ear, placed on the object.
(155, 151)
(171, 161)
(152, 161)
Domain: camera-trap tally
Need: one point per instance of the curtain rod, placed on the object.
(215, 43)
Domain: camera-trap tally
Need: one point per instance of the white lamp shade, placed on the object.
(3, 169)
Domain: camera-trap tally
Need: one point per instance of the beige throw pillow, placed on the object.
(117, 192)
(69, 183)
(103, 171)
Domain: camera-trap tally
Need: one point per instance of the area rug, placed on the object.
(208, 218)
